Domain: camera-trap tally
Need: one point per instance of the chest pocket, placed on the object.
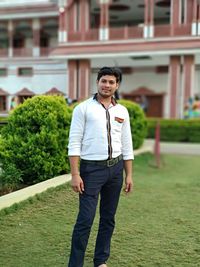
(117, 123)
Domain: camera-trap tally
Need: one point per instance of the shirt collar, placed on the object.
(113, 100)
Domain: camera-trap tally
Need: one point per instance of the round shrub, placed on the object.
(35, 139)
(138, 122)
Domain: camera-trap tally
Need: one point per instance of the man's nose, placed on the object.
(107, 84)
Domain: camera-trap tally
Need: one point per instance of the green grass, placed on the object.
(157, 225)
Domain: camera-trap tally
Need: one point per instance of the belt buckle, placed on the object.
(110, 162)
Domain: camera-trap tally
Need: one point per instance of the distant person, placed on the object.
(14, 103)
(100, 136)
(144, 104)
(196, 106)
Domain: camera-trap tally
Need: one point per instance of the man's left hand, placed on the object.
(128, 184)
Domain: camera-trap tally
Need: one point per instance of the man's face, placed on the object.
(107, 85)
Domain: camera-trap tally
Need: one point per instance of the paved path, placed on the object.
(176, 148)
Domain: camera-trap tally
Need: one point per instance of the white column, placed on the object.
(36, 37)
(62, 33)
(104, 20)
(194, 23)
(10, 34)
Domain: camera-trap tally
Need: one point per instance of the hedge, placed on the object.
(34, 142)
(138, 122)
(175, 130)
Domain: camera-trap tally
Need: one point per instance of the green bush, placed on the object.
(137, 121)
(35, 139)
(3, 122)
(175, 130)
(10, 178)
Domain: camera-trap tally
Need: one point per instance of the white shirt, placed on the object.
(91, 128)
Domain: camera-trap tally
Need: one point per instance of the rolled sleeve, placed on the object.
(76, 132)
(127, 145)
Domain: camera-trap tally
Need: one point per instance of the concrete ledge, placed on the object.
(20, 195)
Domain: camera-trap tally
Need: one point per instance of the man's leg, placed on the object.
(93, 177)
(82, 229)
(110, 193)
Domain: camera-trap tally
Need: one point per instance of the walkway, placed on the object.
(176, 148)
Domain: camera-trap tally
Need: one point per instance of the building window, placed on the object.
(25, 71)
(3, 72)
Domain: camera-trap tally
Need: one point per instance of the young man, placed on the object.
(100, 136)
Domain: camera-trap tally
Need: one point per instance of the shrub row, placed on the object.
(175, 130)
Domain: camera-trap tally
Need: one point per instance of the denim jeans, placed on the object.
(106, 181)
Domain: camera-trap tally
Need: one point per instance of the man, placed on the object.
(100, 136)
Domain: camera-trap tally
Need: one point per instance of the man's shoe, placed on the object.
(102, 265)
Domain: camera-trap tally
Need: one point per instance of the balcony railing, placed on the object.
(168, 31)
(45, 51)
(123, 33)
(91, 35)
(22, 52)
(130, 32)
(3, 52)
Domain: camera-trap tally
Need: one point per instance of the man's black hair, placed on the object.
(110, 71)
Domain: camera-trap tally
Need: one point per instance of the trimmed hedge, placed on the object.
(34, 142)
(138, 122)
(175, 130)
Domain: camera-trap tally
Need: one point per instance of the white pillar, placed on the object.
(62, 33)
(36, 37)
(10, 33)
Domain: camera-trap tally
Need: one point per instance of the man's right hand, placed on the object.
(77, 183)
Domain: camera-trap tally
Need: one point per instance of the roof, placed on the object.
(143, 91)
(3, 93)
(25, 92)
(54, 91)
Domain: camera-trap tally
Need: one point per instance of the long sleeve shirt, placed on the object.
(97, 133)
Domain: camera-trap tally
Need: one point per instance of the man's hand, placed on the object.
(77, 183)
(128, 184)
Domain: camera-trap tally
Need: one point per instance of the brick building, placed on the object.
(59, 45)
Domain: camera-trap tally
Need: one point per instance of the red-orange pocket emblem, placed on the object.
(120, 120)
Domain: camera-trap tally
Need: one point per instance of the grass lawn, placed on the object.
(157, 225)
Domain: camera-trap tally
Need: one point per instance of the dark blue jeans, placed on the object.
(108, 182)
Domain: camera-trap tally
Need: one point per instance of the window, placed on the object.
(3, 72)
(25, 71)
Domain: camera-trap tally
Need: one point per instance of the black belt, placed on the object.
(107, 163)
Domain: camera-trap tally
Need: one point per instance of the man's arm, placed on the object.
(75, 141)
(128, 176)
(127, 151)
(76, 181)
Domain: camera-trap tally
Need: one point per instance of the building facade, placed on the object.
(28, 33)
(61, 44)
